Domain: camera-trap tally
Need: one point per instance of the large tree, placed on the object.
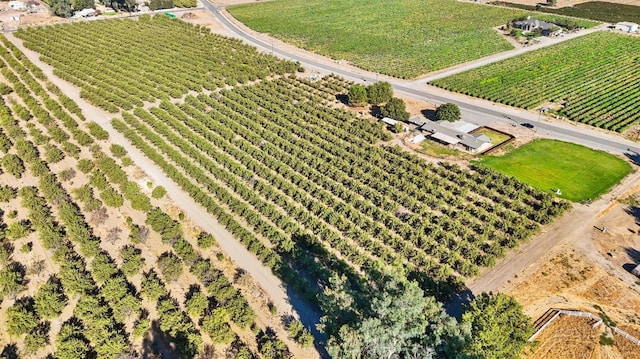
(395, 109)
(379, 92)
(500, 330)
(400, 322)
(60, 8)
(357, 95)
(448, 112)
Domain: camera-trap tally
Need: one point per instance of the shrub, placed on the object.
(170, 266)
(205, 240)
(158, 192)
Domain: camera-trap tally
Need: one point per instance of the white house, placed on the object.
(627, 26)
(17, 5)
(84, 13)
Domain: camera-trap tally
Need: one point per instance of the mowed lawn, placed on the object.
(402, 38)
(580, 172)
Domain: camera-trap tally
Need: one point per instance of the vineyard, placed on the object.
(404, 38)
(300, 182)
(89, 262)
(593, 77)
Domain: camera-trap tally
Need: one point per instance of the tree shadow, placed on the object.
(634, 211)
(633, 253)
(10, 351)
(633, 156)
(158, 345)
(343, 98)
(429, 114)
(376, 111)
(310, 320)
(458, 302)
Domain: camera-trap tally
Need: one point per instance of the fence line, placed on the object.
(577, 313)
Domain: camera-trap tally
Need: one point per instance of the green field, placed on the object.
(595, 10)
(580, 173)
(595, 77)
(402, 38)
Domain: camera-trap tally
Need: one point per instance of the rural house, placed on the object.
(531, 25)
(627, 26)
(454, 133)
(17, 5)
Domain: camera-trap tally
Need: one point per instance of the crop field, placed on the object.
(89, 264)
(594, 10)
(594, 77)
(580, 173)
(300, 182)
(401, 38)
(295, 179)
(177, 66)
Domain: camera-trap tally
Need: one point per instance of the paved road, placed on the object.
(544, 42)
(480, 111)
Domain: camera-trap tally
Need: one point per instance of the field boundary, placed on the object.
(552, 314)
(499, 145)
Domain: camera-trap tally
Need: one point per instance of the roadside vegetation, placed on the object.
(365, 232)
(592, 79)
(579, 172)
(403, 38)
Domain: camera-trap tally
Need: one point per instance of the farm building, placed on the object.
(530, 25)
(454, 133)
(17, 5)
(389, 121)
(417, 139)
(627, 26)
(417, 120)
(84, 13)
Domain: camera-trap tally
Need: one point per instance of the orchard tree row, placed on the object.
(179, 58)
(108, 316)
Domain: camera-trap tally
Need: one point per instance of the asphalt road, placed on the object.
(482, 112)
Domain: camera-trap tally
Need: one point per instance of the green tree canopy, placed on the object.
(395, 109)
(357, 95)
(379, 92)
(448, 112)
(400, 322)
(60, 8)
(500, 330)
(50, 299)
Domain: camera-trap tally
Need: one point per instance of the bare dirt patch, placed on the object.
(573, 276)
(572, 337)
(204, 18)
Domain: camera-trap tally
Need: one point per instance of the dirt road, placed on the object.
(283, 299)
(576, 227)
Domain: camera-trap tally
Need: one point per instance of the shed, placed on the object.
(627, 26)
(417, 139)
(636, 271)
(389, 121)
(17, 5)
(85, 13)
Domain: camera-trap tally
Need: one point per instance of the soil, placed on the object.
(570, 277)
(573, 337)
(204, 18)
